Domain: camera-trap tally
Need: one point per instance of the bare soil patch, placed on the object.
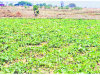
(18, 11)
(39, 56)
(46, 71)
(8, 13)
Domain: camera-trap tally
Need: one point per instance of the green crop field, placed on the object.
(38, 46)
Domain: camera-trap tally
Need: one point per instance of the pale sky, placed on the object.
(81, 3)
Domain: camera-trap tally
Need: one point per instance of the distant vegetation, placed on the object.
(45, 5)
(78, 8)
(48, 6)
(11, 4)
(23, 3)
(72, 5)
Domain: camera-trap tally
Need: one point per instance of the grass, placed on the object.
(36, 46)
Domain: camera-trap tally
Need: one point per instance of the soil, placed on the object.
(18, 11)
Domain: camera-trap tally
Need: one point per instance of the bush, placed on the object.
(66, 7)
(25, 7)
(72, 8)
(62, 8)
(59, 8)
(78, 8)
(28, 7)
(47, 7)
(40, 6)
(36, 11)
(35, 7)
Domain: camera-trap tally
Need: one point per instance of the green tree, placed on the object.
(50, 5)
(66, 7)
(36, 11)
(72, 5)
(44, 4)
(23, 3)
(41, 4)
(54, 6)
(47, 6)
(10, 4)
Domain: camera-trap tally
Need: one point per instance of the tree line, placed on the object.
(46, 6)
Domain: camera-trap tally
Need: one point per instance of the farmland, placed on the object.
(36, 46)
(85, 13)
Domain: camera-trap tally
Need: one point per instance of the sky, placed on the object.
(80, 3)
